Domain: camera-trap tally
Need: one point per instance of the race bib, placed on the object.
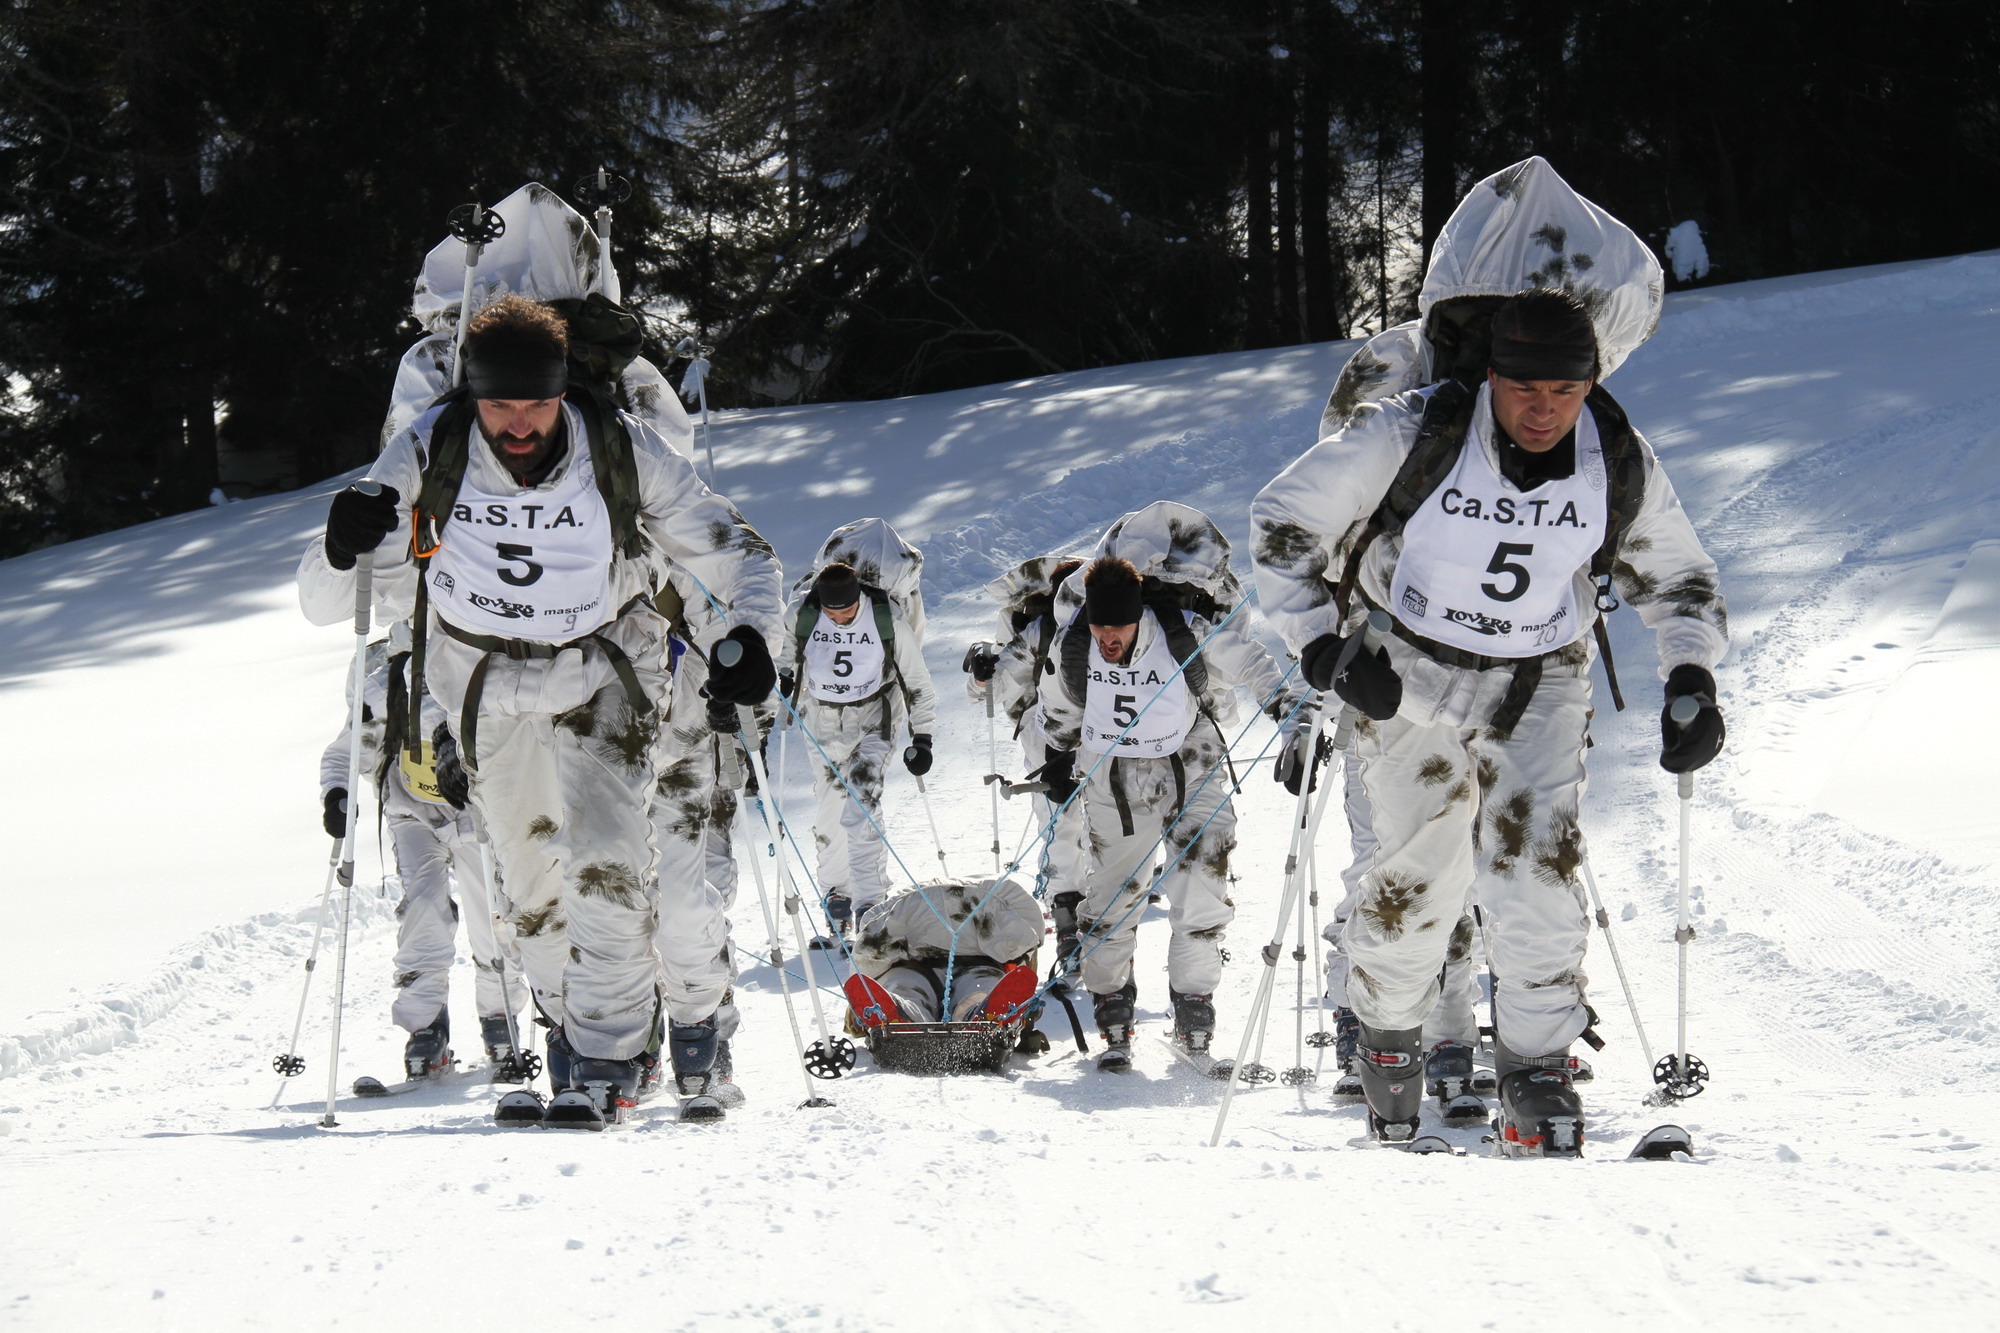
(532, 566)
(1138, 711)
(1490, 569)
(844, 662)
(420, 775)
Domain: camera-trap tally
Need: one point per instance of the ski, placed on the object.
(1662, 1143)
(1423, 1145)
(1115, 1060)
(577, 1110)
(1200, 1061)
(369, 1086)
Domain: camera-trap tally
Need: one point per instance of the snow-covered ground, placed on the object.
(1833, 437)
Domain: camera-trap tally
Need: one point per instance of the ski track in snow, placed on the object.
(1833, 438)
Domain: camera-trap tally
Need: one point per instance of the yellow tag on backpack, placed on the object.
(420, 777)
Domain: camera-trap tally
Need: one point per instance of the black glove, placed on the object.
(1060, 775)
(356, 523)
(722, 717)
(335, 821)
(1286, 771)
(981, 661)
(750, 678)
(788, 684)
(1684, 749)
(1369, 682)
(453, 785)
(917, 758)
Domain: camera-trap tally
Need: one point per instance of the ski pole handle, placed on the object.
(1682, 713)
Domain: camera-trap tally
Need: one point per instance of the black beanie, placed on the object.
(837, 587)
(1112, 601)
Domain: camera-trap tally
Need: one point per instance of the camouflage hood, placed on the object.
(1026, 581)
(916, 926)
(1525, 227)
(882, 558)
(1169, 541)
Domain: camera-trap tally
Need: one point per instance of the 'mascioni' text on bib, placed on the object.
(1118, 697)
(1490, 569)
(530, 566)
(844, 662)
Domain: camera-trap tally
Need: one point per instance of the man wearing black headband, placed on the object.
(1493, 521)
(543, 645)
(1142, 737)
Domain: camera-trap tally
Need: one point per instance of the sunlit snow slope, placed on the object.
(1833, 437)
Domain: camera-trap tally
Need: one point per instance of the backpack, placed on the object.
(881, 559)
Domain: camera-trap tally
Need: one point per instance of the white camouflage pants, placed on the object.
(1116, 885)
(1456, 1016)
(1064, 857)
(852, 859)
(566, 799)
(691, 931)
(436, 848)
(1452, 811)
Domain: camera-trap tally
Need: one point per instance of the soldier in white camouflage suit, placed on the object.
(437, 848)
(1493, 517)
(549, 659)
(1012, 667)
(1163, 737)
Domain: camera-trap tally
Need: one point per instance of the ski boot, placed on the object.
(428, 1050)
(561, 1056)
(1194, 1021)
(840, 915)
(508, 1065)
(724, 1087)
(692, 1047)
(600, 1092)
(1347, 1056)
(1392, 1080)
(1540, 1113)
(1113, 1013)
(1448, 1077)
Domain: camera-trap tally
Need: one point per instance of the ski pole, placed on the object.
(1611, 942)
(931, 819)
(1681, 1075)
(600, 190)
(777, 951)
(697, 375)
(993, 768)
(478, 227)
(364, 593)
(1305, 828)
(291, 1063)
(1298, 1075)
(830, 1056)
(1319, 1040)
(526, 1061)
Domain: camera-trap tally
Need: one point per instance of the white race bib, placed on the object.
(1490, 569)
(1150, 696)
(531, 566)
(844, 662)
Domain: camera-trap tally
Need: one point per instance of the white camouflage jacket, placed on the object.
(688, 525)
(1305, 522)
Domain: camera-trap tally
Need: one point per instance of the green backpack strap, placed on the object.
(885, 624)
(1625, 491)
(1166, 601)
(1447, 417)
(614, 460)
